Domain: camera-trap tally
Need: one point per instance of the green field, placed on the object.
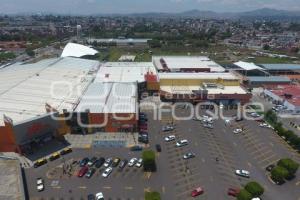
(270, 60)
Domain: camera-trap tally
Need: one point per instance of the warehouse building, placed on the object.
(109, 107)
(260, 81)
(185, 64)
(144, 73)
(197, 87)
(31, 94)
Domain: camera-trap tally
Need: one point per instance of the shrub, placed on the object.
(244, 195)
(152, 196)
(290, 165)
(149, 161)
(254, 188)
(278, 174)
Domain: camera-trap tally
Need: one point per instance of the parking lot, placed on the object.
(219, 152)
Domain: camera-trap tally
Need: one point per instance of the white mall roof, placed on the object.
(77, 50)
(124, 71)
(199, 75)
(26, 88)
(176, 63)
(190, 89)
(109, 98)
(247, 66)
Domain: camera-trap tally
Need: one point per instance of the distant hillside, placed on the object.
(264, 12)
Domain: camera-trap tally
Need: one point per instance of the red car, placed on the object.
(143, 129)
(82, 171)
(233, 192)
(198, 191)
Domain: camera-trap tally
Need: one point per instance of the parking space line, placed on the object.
(261, 153)
(267, 158)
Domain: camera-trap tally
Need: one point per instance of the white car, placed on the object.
(132, 162)
(40, 184)
(170, 138)
(254, 115)
(99, 196)
(108, 162)
(237, 131)
(139, 163)
(181, 143)
(243, 173)
(207, 125)
(265, 125)
(107, 172)
(168, 128)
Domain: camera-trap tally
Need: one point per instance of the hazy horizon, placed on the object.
(86, 7)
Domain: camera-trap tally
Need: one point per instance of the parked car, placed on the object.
(207, 125)
(90, 173)
(40, 184)
(99, 196)
(167, 128)
(116, 162)
(181, 143)
(92, 161)
(254, 114)
(40, 162)
(158, 147)
(108, 162)
(196, 119)
(132, 162)
(170, 138)
(265, 125)
(143, 126)
(143, 139)
(54, 156)
(142, 114)
(136, 148)
(99, 162)
(242, 173)
(139, 163)
(197, 191)
(237, 131)
(82, 171)
(189, 155)
(66, 151)
(270, 167)
(91, 197)
(107, 172)
(233, 191)
(84, 161)
(237, 119)
(123, 163)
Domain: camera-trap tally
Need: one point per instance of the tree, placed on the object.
(266, 47)
(152, 196)
(278, 174)
(244, 195)
(254, 188)
(290, 165)
(149, 161)
(30, 52)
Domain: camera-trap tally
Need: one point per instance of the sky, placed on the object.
(87, 7)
